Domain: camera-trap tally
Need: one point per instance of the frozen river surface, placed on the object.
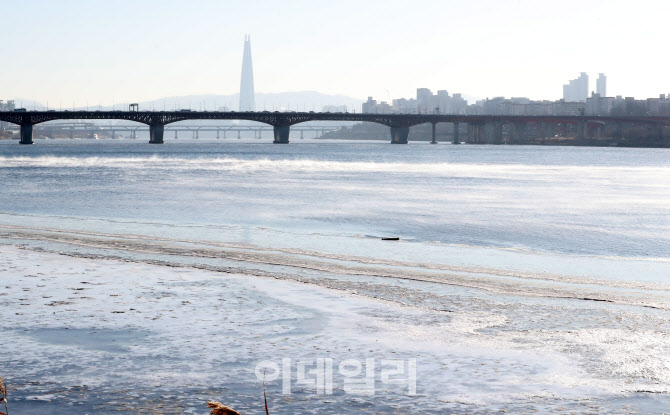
(150, 280)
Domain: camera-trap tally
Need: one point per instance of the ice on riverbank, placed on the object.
(106, 336)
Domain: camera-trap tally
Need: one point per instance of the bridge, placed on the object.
(88, 129)
(481, 128)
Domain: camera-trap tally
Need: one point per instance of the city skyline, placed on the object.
(482, 49)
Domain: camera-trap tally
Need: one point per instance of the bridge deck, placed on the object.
(282, 121)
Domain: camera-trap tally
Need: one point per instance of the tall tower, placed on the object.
(601, 85)
(247, 95)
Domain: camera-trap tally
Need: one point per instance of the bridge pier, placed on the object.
(399, 135)
(494, 132)
(302, 134)
(26, 134)
(581, 130)
(217, 134)
(599, 130)
(176, 135)
(156, 133)
(281, 134)
(474, 133)
(659, 132)
(434, 138)
(457, 140)
(544, 127)
(520, 132)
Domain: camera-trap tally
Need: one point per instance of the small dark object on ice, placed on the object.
(220, 409)
(391, 238)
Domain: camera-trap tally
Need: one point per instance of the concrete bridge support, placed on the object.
(434, 136)
(550, 130)
(520, 132)
(26, 134)
(581, 130)
(156, 132)
(598, 132)
(281, 134)
(659, 133)
(399, 135)
(564, 129)
(457, 140)
(494, 132)
(475, 133)
(176, 135)
(542, 130)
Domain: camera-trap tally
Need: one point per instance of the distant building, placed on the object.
(8, 106)
(405, 106)
(247, 93)
(524, 106)
(372, 107)
(577, 90)
(599, 105)
(568, 108)
(601, 85)
(429, 103)
(458, 104)
(424, 98)
(369, 106)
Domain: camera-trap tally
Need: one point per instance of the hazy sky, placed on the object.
(119, 51)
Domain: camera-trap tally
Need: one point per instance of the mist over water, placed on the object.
(584, 201)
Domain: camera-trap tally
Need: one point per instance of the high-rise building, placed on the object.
(247, 95)
(601, 85)
(373, 107)
(577, 90)
(9, 106)
(424, 98)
